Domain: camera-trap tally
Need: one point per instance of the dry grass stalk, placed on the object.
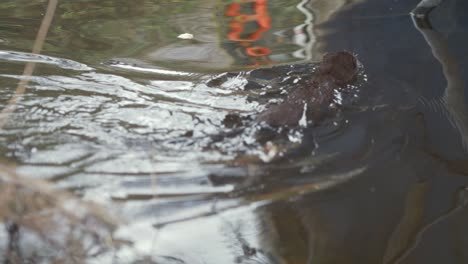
(29, 68)
(73, 230)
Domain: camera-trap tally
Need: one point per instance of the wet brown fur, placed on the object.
(336, 70)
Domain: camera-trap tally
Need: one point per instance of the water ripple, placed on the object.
(38, 58)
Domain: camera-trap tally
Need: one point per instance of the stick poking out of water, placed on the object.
(29, 68)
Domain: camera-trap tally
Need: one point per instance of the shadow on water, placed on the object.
(127, 109)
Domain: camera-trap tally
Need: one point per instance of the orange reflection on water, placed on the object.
(257, 54)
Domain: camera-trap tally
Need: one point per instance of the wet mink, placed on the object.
(303, 104)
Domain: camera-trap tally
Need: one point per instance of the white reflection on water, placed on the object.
(150, 70)
(38, 58)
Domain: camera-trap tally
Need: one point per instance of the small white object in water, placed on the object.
(269, 152)
(303, 120)
(185, 36)
(295, 136)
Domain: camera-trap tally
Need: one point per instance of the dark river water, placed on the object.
(126, 107)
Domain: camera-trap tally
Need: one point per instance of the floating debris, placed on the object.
(185, 36)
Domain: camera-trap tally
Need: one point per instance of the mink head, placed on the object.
(340, 66)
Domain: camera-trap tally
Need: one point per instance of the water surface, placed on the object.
(122, 111)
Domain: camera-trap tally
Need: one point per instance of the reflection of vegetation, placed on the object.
(91, 31)
(83, 27)
(108, 26)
